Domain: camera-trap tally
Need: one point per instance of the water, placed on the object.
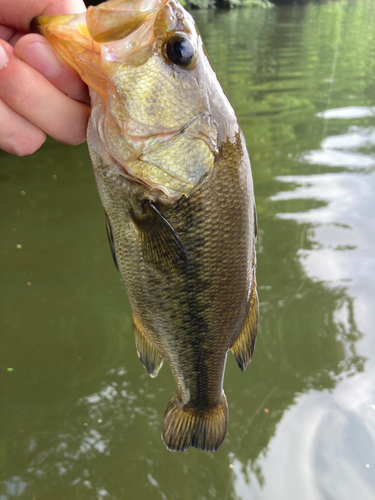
(80, 419)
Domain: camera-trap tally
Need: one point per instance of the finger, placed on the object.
(29, 94)
(10, 35)
(6, 33)
(20, 18)
(37, 52)
(17, 135)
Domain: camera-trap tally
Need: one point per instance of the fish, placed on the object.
(174, 177)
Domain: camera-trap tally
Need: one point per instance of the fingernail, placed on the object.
(40, 57)
(4, 59)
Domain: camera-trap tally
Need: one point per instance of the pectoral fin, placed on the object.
(110, 239)
(243, 346)
(161, 244)
(148, 354)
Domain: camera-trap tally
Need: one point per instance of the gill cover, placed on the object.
(150, 101)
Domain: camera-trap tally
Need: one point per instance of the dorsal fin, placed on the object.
(148, 354)
(243, 346)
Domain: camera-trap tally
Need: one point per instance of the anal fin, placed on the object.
(243, 346)
(151, 359)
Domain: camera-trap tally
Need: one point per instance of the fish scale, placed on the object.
(179, 200)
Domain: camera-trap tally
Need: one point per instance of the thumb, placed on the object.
(38, 53)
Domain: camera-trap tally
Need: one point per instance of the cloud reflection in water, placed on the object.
(324, 446)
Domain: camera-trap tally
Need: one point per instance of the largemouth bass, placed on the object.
(174, 177)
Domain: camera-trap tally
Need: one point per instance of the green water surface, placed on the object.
(80, 418)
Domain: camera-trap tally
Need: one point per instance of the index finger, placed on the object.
(30, 95)
(20, 16)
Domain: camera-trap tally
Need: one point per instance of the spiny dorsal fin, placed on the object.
(204, 429)
(161, 244)
(243, 346)
(110, 239)
(148, 354)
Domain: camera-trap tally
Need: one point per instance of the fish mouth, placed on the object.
(175, 162)
(116, 30)
(130, 35)
(115, 20)
(112, 41)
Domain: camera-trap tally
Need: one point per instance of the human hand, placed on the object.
(39, 94)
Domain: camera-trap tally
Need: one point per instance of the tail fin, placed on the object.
(203, 429)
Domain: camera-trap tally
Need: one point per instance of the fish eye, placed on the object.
(180, 51)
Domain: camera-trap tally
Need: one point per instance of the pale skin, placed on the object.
(39, 94)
